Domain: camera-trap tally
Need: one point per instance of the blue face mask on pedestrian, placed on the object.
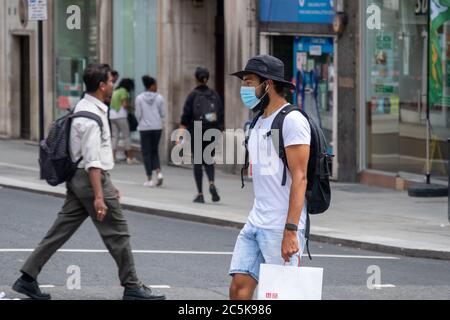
(249, 98)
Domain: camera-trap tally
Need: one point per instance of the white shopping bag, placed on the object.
(290, 283)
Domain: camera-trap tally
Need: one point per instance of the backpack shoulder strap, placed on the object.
(88, 115)
(247, 138)
(277, 136)
(278, 125)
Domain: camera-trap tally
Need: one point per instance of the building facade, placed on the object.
(362, 69)
(166, 39)
(368, 75)
(322, 64)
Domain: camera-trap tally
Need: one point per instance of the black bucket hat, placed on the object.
(267, 67)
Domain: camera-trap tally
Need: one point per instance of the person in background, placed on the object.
(150, 113)
(203, 105)
(115, 75)
(120, 103)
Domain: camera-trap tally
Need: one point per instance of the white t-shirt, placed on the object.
(271, 206)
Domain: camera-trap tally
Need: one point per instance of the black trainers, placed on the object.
(142, 293)
(215, 195)
(30, 289)
(199, 199)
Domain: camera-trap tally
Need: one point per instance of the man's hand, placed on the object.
(290, 245)
(100, 208)
(118, 194)
(180, 137)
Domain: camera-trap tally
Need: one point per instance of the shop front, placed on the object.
(300, 33)
(75, 48)
(135, 44)
(400, 80)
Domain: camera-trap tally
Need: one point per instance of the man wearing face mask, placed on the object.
(275, 230)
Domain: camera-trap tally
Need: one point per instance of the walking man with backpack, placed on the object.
(203, 106)
(279, 147)
(90, 192)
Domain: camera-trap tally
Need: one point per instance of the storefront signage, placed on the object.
(297, 11)
(421, 7)
(316, 46)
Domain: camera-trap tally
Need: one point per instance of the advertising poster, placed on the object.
(439, 93)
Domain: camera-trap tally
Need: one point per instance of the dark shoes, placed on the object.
(199, 199)
(142, 293)
(30, 289)
(215, 195)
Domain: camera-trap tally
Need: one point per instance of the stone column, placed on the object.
(105, 31)
(240, 46)
(49, 69)
(348, 86)
(3, 76)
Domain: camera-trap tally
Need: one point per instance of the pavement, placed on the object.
(363, 217)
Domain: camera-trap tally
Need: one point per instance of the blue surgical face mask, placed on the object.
(249, 98)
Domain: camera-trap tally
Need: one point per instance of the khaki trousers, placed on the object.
(79, 205)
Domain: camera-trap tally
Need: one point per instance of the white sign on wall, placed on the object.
(315, 50)
(37, 10)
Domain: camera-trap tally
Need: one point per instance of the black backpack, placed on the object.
(55, 162)
(206, 107)
(318, 192)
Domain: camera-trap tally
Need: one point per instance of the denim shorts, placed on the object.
(256, 246)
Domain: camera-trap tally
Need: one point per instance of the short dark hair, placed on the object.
(148, 81)
(280, 87)
(202, 74)
(115, 73)
(127, 84)
(94, 74)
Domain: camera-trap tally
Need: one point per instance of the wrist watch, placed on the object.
(291, 227)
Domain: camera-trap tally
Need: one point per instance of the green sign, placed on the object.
(384, 89)
(384, 42)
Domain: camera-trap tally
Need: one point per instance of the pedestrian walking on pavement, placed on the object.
(275, 230)
(204, 106)
(120, 108)
(150, 113)
(116, 76)
(90, 193)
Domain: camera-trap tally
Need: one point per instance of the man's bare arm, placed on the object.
(298, 157)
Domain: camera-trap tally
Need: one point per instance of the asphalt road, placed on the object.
(189, 261)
